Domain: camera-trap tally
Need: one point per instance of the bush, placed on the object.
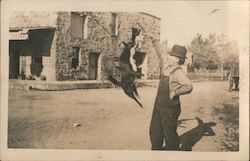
(228, 115)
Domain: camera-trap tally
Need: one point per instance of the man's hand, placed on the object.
(171, 94)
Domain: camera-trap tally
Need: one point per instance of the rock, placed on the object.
(27, 87)
(76, 124)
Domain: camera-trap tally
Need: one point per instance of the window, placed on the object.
(85, 27)
(79, 25)
(114, 25)
(135, 32)
(139, 58)
(75, 58)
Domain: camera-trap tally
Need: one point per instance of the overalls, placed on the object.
(164, 119)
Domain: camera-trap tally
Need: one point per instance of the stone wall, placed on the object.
(64, 47)
(100, 41)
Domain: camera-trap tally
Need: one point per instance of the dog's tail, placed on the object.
(134, 98)
(138, 102)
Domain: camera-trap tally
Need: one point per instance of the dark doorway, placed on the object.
(75, 59)
(14, 64)
(93, 65)
(36, 66)
(135, 32)
(139, 58)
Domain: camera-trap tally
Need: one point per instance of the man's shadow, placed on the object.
(190, 138)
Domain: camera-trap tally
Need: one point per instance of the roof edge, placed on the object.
(145, 13)
(32, 28)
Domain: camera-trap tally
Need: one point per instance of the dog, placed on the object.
(127, 66)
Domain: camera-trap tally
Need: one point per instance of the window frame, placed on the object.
(80, 31)
(114, 24)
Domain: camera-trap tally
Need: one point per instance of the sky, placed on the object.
(182, 20)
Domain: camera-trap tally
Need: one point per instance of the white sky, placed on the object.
(182, 20)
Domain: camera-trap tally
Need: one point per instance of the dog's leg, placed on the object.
(114, 81)
(136, 92)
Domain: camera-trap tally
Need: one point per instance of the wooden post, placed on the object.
(222, 70)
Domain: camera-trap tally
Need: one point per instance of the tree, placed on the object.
(214, 52)
(204, 54)
(228, 53)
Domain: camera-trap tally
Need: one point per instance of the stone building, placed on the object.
(74, 45)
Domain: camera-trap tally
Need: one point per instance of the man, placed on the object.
(173, 83)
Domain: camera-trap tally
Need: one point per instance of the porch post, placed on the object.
(27, 65)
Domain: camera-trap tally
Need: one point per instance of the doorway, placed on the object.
(140, 58)
(93, 65)
(36, 66)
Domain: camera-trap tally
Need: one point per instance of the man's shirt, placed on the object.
(179, 83)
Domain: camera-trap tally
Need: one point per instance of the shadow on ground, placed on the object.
(191, 137)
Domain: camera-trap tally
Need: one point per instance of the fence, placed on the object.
(207, 74)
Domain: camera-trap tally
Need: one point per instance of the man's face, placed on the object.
(172, 60)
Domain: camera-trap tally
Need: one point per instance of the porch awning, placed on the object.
(19, 33)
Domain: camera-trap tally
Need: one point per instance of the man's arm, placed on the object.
(157, 46)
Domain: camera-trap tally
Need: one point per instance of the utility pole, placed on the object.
(222, 70)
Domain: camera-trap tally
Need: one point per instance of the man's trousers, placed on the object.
(163, 128)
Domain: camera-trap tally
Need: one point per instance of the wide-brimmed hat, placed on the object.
(179, 51)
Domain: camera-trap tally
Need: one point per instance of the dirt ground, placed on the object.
(108, 119)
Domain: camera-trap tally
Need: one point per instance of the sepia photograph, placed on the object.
(158, 77)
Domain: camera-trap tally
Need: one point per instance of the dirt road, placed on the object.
(110, 120)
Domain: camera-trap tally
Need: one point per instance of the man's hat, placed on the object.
(179, 51)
